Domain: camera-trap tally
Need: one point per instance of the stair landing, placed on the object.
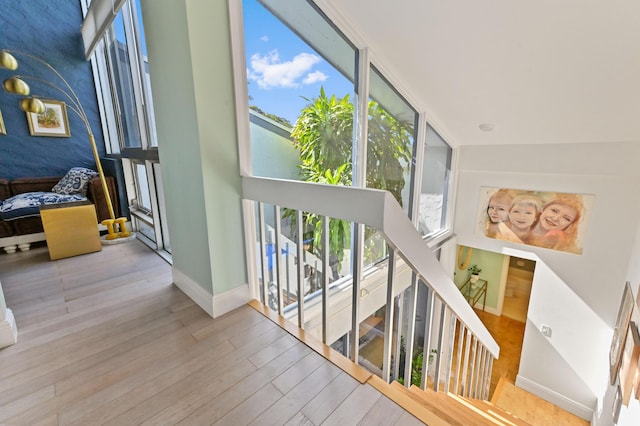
(532, 409)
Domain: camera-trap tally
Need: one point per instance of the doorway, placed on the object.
(518, 288)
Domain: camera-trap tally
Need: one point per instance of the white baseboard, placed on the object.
(230, 300)
(193, 290)
(561, 401)
(214, 305)
(8, 330)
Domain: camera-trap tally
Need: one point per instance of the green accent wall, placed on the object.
(191, 73)
(491, 265)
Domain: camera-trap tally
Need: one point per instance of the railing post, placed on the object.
(300, 256)
(459, 383)
(278, 272)
(426, 346)
(436, 384)
(388, 317)
(472, 374)
(452, 332)
(356, 267)
(398, 334)
(411, 328)
(465, 372)
(263, 255)
(325, 277)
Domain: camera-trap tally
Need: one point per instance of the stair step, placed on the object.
(531, 408)
(452, 410)
(495, 411)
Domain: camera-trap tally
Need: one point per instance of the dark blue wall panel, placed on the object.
(50, 30)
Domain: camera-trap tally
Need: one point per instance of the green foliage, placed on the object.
(323, 134)
(474, 269)
(416, 366)
(388, 151)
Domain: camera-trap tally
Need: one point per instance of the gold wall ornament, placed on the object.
(462, 264)
(7, 60)
(16, 86)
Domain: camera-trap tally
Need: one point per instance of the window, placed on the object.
(297, 66)
(122, 76)
(436, 168)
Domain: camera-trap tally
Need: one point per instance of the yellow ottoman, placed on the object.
(70, 229)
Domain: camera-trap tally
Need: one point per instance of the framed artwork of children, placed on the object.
(553, 220)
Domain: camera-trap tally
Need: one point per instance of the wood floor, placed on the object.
(509, 335)
(105, 338)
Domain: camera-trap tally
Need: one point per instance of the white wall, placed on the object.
(576, 295)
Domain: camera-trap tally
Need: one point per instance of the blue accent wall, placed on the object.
(49, 30)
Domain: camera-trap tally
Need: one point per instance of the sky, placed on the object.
(281, 68)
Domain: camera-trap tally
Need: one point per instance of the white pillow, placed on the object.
(76, 181)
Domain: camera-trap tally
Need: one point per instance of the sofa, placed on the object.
(20, 231)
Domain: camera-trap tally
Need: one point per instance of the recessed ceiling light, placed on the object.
(486, 127)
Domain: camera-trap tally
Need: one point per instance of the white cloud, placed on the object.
(264, 38)
(269, 71)
(314, 77)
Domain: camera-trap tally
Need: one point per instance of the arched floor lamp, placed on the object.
(116, 227)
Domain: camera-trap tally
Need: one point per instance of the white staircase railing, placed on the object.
(346, 312)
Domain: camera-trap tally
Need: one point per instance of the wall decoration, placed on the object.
(553, 220)
(617, 404)
(629, 362)
(3, 130)
(52, 122)
(620, 332)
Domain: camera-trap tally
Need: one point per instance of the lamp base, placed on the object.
(105, 241)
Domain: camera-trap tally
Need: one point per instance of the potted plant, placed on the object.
(474, 271)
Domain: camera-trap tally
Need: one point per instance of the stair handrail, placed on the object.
(380, 210)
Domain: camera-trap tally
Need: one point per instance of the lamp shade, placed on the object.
(32, 104)
(16, 86)
(7, 60)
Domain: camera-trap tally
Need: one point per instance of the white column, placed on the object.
(8, 329)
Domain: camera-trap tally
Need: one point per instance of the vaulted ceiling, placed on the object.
(537, 72)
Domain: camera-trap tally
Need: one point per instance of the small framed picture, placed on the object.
(3, 130)
(620, 332)
(617, 404)
(52, 122)
(629, 364)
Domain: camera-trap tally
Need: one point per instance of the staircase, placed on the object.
(510, 406)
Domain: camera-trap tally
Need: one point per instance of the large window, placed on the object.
(303, 102)
(301, 74)
(122, 76)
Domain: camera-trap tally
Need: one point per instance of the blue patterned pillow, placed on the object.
(28, 204)
(76, 181)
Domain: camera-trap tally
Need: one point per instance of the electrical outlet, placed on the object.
(546, 330)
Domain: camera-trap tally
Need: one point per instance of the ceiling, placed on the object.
(537, 72)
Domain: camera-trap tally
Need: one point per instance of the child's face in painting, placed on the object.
(498, 210)
(557, 217)
(522, 216)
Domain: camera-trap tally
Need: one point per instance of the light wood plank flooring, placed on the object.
(105, 338)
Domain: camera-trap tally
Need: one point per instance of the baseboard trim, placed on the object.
(191, 288)
(214, 305)
(230, 300)
(561, 401)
